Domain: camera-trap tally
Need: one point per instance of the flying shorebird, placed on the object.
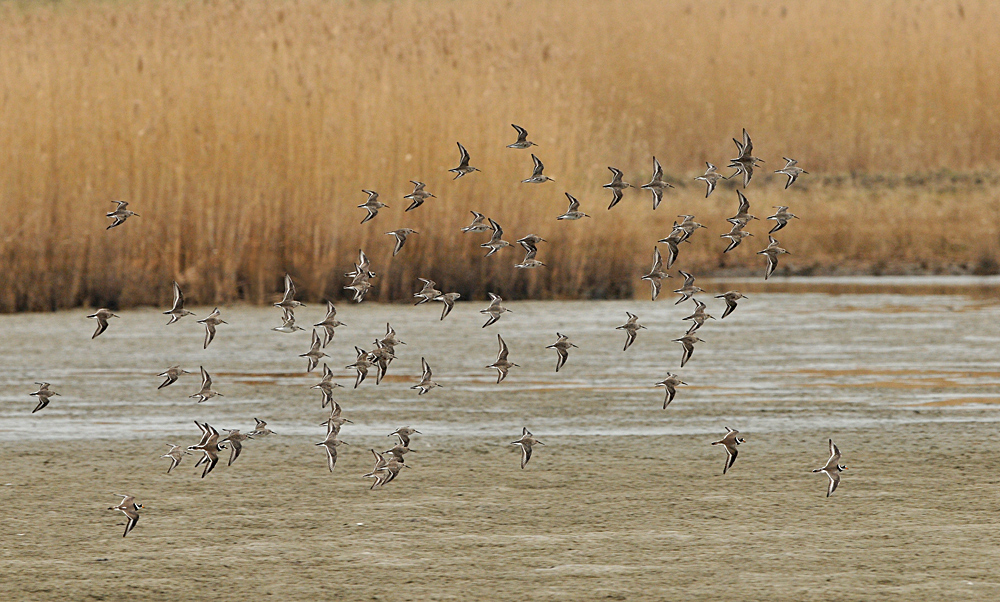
(372, 205)
(478, 223)
(771, 252)
(209, 446)
(710, 177)
(326, 385)
(536, 173)
(330, 444)
(731, 298)
(380, 357)
(496, 241)
(742, 216)
(43, 394)
(698, 317)
(688, 290)
(390, 338)
(171, 374)
(379, 472)
(121, 214)
(361, 268)
(657, 184)
(449, 302)
(631, 328)
(669, 385)
(562, 346)
(213, 320)
(616, 186)
(574, 209)
(529, 260)
(401, 235)
(502, 365)
(260, 430)
(235, 439)
(314, 352)
(522, 138)
(428, 293)
(177, 311)
(176, 454)
(791, 171)
(335, 421)
(102, 316)
(361, 365)
(656, 274)
(287, 322)
(206, 392)
(404, 433)
(735, 235)
(525, 443)
(130, 509)
(832, 468)
(329, 323)
(687, 341)
(287, 300)
(360, 286)
(730, 441)
(530, 241)
(672, 241)
(745, 162)
(495, 310)
(418, 196)
(781, 218)
(425, 384)
(687, 227)
(398, 451)
(463, 164)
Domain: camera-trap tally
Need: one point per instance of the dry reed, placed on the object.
(243, 132)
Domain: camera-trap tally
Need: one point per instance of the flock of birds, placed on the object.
(389, 463)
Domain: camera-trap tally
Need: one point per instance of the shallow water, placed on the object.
(815, 358)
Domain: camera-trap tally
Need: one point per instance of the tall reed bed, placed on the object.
(243, 132)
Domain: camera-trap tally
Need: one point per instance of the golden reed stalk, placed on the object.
(243, 132)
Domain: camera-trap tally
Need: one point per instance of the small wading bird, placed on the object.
(171, 374)
(463, 163)
(771, 252)
(562, 347)
(361, 365)
(742, 217)
(326, 385)
(502, 365)
(418, 196)
(329, 323)
(426, 383)
(102, 316)
(657, 184)
(495, 310)
(530, 241)
(832, 469)
(314, 352)
(574, 209)
(529, 261)
(288, 301)
(688, 290)
(176, 454)
(496, 241)
(536, 173)
(235, 439)
(631, 328)
(260, 430)
(731, 298)
(404, 434)
(211, 322)
(401, 235)
(711, 177)
(288, 325)
(730, 441)
(745, 162)
(209, 446)
(688, 341)
(672, 241)
(522, 138)
(449, 302)
(372, 205)
(206, 392)
(130, 509)
(120, 214)
(478, 223)
(335, 421)
(656, 274)
(428, 293)
(698, 317)
(670, 386)
(781, 218)
(330, 445)
(43, 394)
(525, 443)
(177, 311)
(616, 186)
(736, 235)
(791, 171)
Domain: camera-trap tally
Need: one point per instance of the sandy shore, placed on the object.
(623, 518)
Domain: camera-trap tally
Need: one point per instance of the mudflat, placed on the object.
(589, 518)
